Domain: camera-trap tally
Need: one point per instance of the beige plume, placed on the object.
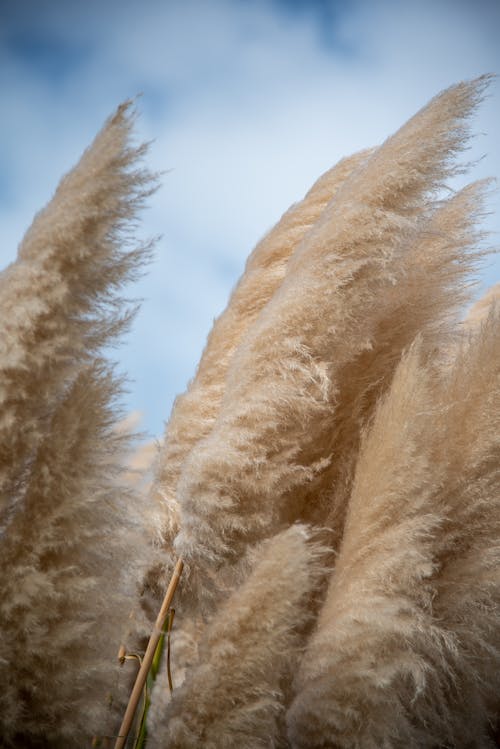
(235, 696)
(72, 549)
(195, 411)
(285, 410)
(407, 646)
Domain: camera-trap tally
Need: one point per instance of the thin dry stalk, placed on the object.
(140, 681)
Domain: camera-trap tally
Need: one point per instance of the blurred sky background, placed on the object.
(248, 102)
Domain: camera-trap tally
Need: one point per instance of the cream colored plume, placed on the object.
(72, 547)
(308, 373)
(195, 411)
(407, 647)
(53, 299)
(358, 667)
(235, 696)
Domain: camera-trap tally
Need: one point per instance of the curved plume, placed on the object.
(236, 694)
(407, 646)
(72, 550)
(266, 459)
(195, 411)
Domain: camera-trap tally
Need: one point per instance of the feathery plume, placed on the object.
(432, 280)
(235, 695)
(468, 550)
(380, 594)
(58, 301)
(286, 405)
(406, 650)
(195, 411)
(69, 527)
(66, 591)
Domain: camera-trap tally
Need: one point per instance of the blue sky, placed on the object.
(247, 101)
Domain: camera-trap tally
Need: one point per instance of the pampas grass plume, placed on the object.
(72, 546)
(407, 647)
(236, 694)
(309, 371)
(195, 411)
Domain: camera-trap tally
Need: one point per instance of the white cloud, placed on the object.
(248, 103)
